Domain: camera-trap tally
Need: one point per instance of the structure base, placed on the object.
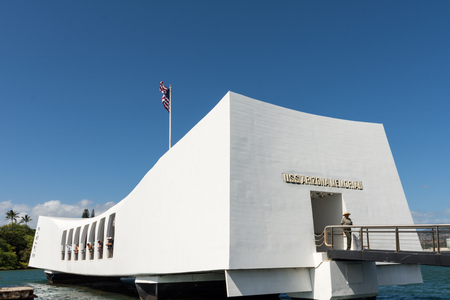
(181, 290)
(60, 277)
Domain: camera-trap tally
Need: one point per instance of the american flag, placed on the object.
(165, 97)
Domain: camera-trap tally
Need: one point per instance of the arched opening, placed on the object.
(76, 243)
(63, 244)
(69, 244)
(92, 240)
(110, 235)
(83, 242)
(101, 237)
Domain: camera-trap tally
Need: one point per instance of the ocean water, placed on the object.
(436, 286)
(45, 291)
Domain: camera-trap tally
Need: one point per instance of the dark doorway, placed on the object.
(327, 210)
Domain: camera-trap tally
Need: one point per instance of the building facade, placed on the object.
(236, 204)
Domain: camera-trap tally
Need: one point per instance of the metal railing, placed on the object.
(432, 237)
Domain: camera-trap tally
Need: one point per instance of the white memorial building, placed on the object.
(232, 209)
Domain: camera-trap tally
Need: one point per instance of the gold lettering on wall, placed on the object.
(320, 181)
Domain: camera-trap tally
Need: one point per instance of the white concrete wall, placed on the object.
(353, 278)
(175, 220)
(273, 219)
(267, 281)
(271, 223)
(185, 201)
(341, 280)
(217, 199)
(396, 274)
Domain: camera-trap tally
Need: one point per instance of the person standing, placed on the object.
(69, 251)
(76, 251)
(109, 245)
(100, 249)
(347, 231)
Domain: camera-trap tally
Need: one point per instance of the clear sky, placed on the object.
(81, 119)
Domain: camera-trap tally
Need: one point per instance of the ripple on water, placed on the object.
(436, 286)
(53, 292)
(45, 291)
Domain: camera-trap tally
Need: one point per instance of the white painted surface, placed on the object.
(342, 280)
(353, 278)
(263, 282)
(181, 278)
(321, 281)
(396, 274)
(217, 200)
(175, 220)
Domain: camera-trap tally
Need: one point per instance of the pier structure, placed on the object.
(233, 209)
(17, 292)
(390, 248)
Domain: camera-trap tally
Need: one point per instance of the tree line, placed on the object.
(86, 214)
(16, 242)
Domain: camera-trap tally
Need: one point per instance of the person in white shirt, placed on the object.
(347, 231)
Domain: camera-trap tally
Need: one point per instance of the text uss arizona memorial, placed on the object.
(311, 180)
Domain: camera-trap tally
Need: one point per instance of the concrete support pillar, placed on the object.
(181, 286)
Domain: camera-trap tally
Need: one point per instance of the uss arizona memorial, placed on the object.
(251, 184)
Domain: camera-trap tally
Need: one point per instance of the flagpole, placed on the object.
(170, 116)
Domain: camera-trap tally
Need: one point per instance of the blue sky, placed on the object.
(81, 119)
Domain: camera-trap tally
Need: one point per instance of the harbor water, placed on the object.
(436, 286)
(45, 291)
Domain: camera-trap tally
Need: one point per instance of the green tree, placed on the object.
(8, 259)
(25, 219)
(15, 246)
(4, 246)
(85, 213)
(25, 253)
(12, 215)
(92, 213)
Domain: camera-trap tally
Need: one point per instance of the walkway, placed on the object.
(392, 243)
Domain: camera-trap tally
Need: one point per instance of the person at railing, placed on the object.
(100, 249)
(69, 251)
(90, 248)
(76, 251)
(109, 245)
(348, 231)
